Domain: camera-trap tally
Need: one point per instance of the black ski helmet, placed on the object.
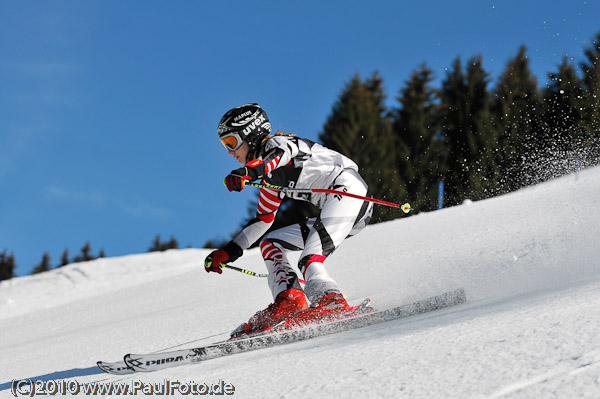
(247, 123)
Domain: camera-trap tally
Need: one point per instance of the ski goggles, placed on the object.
(231, 141)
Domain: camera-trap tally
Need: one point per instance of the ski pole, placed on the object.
(248, 272)
(251, 273)
(405, 208)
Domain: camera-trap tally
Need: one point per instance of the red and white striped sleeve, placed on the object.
(272, 163)
(268, 203)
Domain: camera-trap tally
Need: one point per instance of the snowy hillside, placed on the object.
(529, 262)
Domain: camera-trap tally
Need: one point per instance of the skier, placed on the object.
(286, 160)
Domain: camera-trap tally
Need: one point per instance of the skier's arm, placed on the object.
(268, 204)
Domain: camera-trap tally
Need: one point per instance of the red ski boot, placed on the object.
(330, 306)
(285, 306)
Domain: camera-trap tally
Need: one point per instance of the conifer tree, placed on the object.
(469, 136)
(86, 254)
(419, 148)
(359, 128)
(158, 245)
(484, 173)
(172, 244)
(214, 243)
(562, 112)
(7, 266)
(43, 266)
(591, 113)
(453, 100)
(517, 107)
(64, 259)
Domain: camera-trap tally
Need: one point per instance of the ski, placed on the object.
(158, 361)
(121, 368)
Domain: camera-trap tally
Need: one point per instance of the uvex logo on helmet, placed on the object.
(260, 119)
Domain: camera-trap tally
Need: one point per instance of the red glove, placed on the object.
(236, 179)
(213, 262)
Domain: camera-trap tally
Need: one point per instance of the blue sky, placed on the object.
(108, 109)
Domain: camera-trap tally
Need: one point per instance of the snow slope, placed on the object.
(529, 263)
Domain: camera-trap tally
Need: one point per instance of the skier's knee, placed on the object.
(269, 249)
(307, 260)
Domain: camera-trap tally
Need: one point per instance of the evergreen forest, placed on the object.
(480, 137)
